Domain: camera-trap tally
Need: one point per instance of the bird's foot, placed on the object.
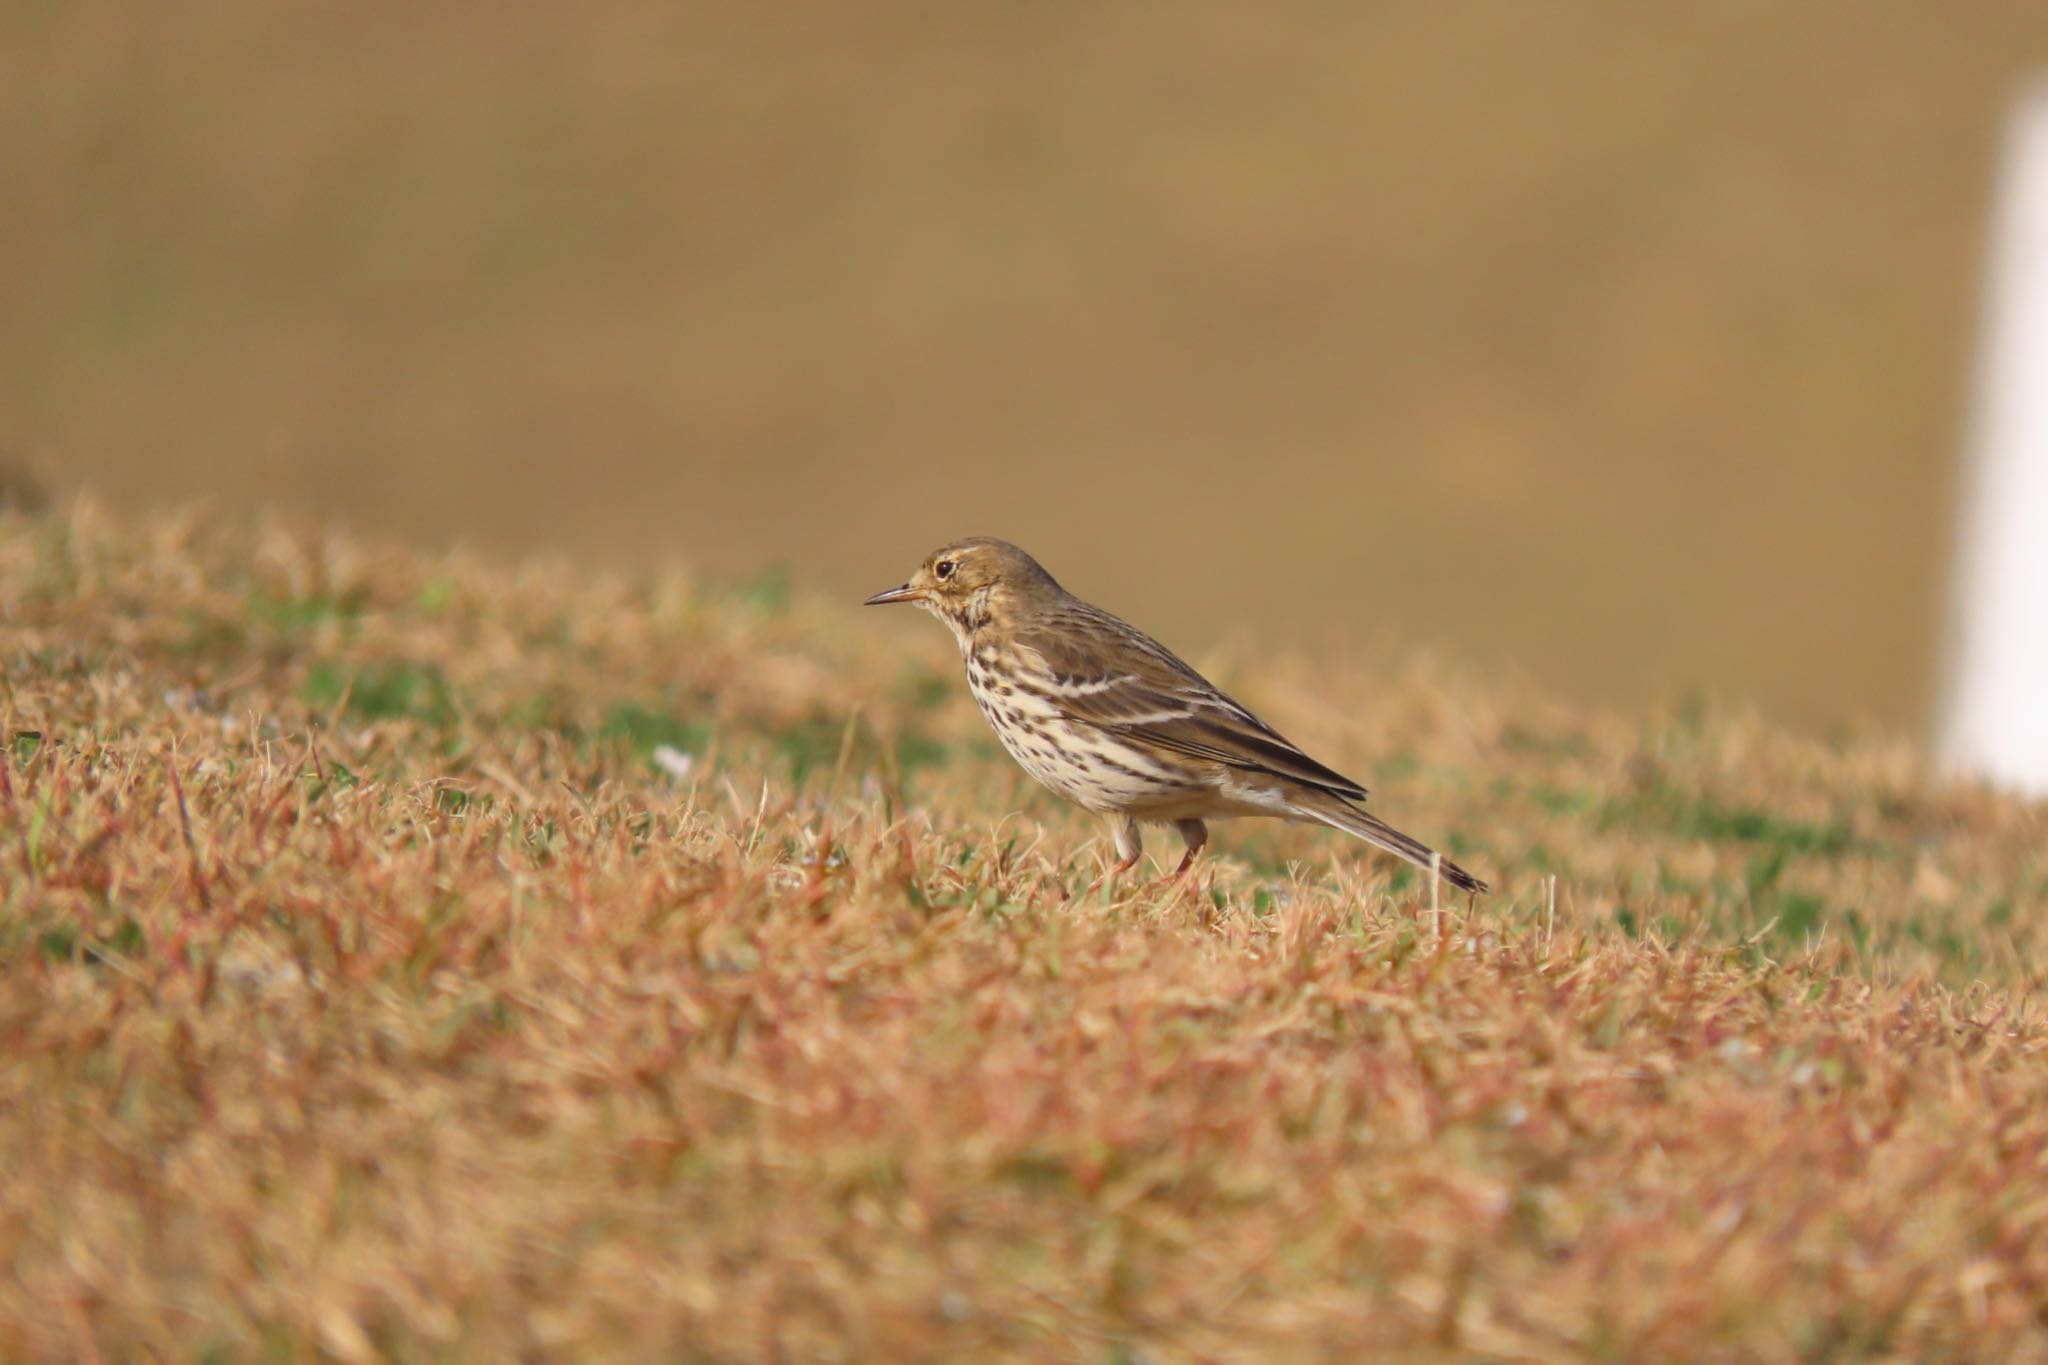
(1187, 861)
(1111, 873)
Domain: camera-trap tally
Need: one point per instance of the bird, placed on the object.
(1104, 715)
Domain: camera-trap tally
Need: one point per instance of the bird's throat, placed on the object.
(973, 614)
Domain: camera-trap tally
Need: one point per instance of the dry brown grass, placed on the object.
(368, 994)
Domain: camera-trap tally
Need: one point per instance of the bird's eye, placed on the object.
(944, 568)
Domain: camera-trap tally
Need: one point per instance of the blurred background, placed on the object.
(1621, 347)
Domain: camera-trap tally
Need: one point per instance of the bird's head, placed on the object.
(970, 582)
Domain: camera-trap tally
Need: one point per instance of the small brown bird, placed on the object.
(1109, 718)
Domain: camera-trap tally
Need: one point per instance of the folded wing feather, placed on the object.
(1153, 697)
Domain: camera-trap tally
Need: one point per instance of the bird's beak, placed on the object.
(906, 593)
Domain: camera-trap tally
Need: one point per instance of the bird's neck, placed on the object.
(970, 616)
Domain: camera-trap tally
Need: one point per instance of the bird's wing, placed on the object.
(1102, 672)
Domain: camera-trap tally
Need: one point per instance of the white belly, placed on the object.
(1080, 762)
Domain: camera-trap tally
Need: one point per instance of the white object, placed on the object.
(674, 761)
(1993, 721)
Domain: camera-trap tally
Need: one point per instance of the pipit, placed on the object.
(1112, 720)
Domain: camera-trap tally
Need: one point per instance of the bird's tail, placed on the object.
(1341, 814)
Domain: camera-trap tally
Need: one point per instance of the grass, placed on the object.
(371, 992)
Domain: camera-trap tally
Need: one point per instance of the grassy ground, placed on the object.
(370, 992)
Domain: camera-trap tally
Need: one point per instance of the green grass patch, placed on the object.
(1694, 816)
(642, 728)
(302, 614)
(394, 691)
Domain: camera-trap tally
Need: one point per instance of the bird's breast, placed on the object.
(1084, 763)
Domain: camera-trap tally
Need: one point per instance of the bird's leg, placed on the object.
(1197, 835)
(1129, 844)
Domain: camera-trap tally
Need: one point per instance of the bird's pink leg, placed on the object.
(1197, 835)
(1129, 843)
